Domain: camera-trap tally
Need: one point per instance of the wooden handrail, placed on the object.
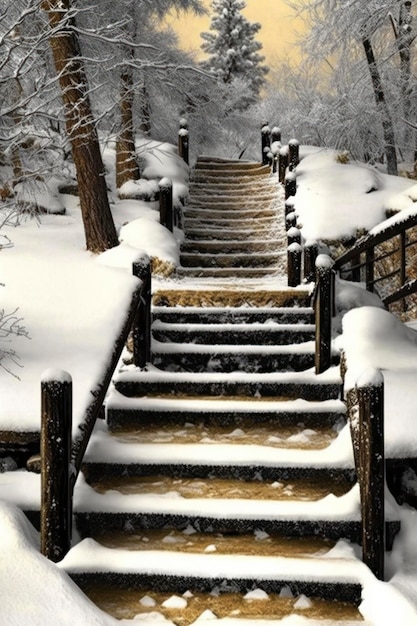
(369, 241)
(366, 246)
(63, 458)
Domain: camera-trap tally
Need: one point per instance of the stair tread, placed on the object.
(171, 347)
(331, 508)
(90, 556)
(197, 444)
(309, 377)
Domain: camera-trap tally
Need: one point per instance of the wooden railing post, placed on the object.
(290, 185)
(275, 147)
(294, 255)
(294, 236)
(293, 154)
(141, 327)
(265, 143)
(323, 309)
(183, 141)
(310, 256)
(282, 164)
(291, 221)
(371, 471)
(166, 211)
(56, 438)
(370, 268)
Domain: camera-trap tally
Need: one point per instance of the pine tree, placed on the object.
(232, 48)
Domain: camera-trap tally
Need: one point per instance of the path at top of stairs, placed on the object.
(224, 472)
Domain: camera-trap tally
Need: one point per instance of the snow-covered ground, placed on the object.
(72, 306)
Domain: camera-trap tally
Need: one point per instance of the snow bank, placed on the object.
(334, 200)
(35, 592)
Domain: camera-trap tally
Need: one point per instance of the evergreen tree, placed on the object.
(232, 48)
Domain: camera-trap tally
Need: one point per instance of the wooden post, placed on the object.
(282, 164)
(370, 391)
(294, 254)
(275, 134)
(290, 185)
(166, 213)
(323, 309)
(310, 256)
(141, 327)
(56, 439)
(183, 141)
(265, 143)
(291, 221)
(403, 265)
(355, 275)
(293, 154)
(370, 269)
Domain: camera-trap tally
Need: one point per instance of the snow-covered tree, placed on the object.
(361, 33)
(233, 51)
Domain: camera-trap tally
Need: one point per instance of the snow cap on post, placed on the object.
(165, 183)
(52, 375)
(324, 262)
(371, 377)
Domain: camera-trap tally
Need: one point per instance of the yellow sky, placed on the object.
(277, 35)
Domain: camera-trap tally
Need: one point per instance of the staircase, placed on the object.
(224, 471)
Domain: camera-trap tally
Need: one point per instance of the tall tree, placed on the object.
(99, 229)
(345, 30)
(233, 49)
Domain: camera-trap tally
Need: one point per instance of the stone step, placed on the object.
(231, 234)
(236, 201)
(268, 334)
(207, 174)
(221, 165)
(237, 315)
(228, 358)
(218, 575)
(296, 509)
(241, 212)
(210, 297)
(253, 452)
(236, 222)
(220, 412)
(231, 272)
(230, 259)
(238, 247)
(288, 385)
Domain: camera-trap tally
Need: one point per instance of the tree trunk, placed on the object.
(145, 109)
(388, 129)
(405, 38)
(99, 229)
(126, 165)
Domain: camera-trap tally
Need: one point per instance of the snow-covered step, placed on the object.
(236, 315)
(236, 246)
(222, 175)
(293, 509)
(230, 259)
(130, 412)
(338, 577)
(198, 357)
(233, 203)
(232, 295)
(252, 452)
(210, 164)
(230, 272)
(288, 385)
(255, 334)
(231, 234)
(235, 221)
(241, 212)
